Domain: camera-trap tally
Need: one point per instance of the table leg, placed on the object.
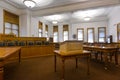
(106, 60)
(1, 71)
(55, 62)
(96, 55)
(116, 58)
(88, 69)
(63, 68)
(76, 62)
(19, 55)
(101, 56)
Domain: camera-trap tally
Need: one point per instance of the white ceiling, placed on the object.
(96, 14)
(45, 3)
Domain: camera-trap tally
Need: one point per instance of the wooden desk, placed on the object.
(6, 52)
(66, 56)
(105, 51)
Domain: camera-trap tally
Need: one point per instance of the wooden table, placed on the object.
(105, 51)
(6, 52)
(67, 56)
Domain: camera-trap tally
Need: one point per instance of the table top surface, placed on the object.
(84, 52)
(7, 51)
(100, 47)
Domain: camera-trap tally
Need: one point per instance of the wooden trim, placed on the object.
(118, 31)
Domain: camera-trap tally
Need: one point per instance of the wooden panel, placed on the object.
(7, 37)
(35, 51)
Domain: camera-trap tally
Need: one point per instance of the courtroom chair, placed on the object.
(56, 46)
(11, 43)
(112, 45)
(30, 43)
(38, 43)
(2, 44)
(21, 43)
(16, 42)
(43, 42)
(46, 43)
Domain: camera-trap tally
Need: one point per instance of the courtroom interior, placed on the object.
(59, 39)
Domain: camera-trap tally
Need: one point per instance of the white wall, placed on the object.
(50, 27)
(22, 27)
(10, 8)
(5, 6)
(94, 25)
(26, 22)
(34, 27)
(60, 33)
(114, 19)
(1, 20)
(73, 29)
(29, 25)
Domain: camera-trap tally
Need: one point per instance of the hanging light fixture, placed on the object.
(54, 22)
(29, 3)
(87, 18)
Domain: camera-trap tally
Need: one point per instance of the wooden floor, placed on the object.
(42, 68)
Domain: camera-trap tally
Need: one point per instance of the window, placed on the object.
(46, 30)
(11, 22)
(101, 34)
(55, 33)
(11, 28)
(65, 32)
(80, 34)
(90, 35)
(40, 29)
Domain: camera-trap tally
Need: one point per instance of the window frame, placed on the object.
(82, 32)
(104, 33)
(57, 33)
(40, 27)
(118, 32)
(46, 30)
(93, 35)
(66, 30)
(11, 18)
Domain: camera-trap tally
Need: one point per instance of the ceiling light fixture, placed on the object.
(54, 22)
(87, 18)
(29, 3)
